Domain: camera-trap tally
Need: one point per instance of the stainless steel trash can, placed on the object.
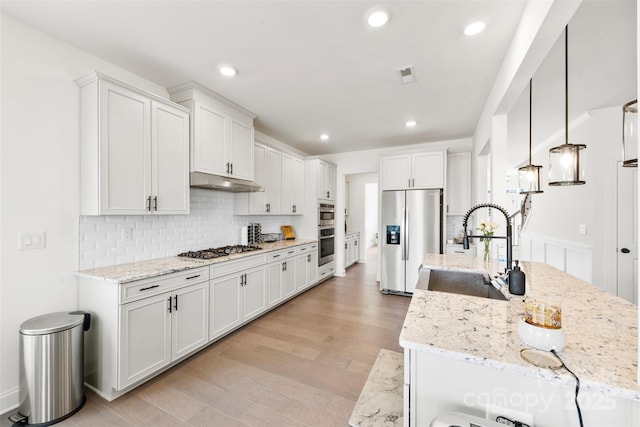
(52, 367)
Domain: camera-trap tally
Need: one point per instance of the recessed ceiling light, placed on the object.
(324, 137)
(411, 124)
(377, 17)
(228, 70)
(474, 28)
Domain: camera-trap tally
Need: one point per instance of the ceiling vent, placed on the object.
(407, 74)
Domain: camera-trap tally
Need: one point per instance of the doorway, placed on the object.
(361, 213)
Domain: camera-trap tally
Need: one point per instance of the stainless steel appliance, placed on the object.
(326, 241)
(326, 214)
(411, 228)
(219, 252)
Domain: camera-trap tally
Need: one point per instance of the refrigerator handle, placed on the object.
(406, 233)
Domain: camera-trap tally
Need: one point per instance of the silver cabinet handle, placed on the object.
(175, 304)
(149, 287)
(293, 208)
(169, 304)
(149, 203)
(193, 277)
(155, 203)
(231, 168)
(228, 167)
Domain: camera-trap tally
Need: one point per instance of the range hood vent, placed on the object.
(222, 183)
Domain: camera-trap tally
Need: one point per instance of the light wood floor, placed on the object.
(303, 364)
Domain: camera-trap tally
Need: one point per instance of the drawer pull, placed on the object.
(193, 277)
(459, 252)
(276, 256)
(149, 287)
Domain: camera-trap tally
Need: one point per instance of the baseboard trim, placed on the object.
(9, 400)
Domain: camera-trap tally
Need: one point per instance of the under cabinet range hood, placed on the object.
(223, 183)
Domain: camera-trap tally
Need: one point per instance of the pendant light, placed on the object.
(630, 134)
(529, 176)
(565, 167)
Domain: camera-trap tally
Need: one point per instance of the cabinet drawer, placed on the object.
(228, 267)
(156, 285)
(307, 248)
(458, 249)
(281, 254)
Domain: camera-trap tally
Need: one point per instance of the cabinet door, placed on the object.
(428, 170)
(287, 183)
(274, 181)
(258, 200)
(322, 180)
(241, 150)
(297, 171)
(458, 185)
(312, 268)
(289, 277)
(169, 159)
(125, 150)
(224, 304)
(190, 319)
(396, 172)
(301, 271)
(331, 182)
(144, 339)
(356, 250)
(274, 280)
(254, 292)
(209, 141)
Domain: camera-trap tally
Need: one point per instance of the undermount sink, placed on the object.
(471, 283)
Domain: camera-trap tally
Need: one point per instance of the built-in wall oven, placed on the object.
(326, 238)
(326, 233)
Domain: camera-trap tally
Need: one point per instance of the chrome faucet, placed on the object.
(465, 240)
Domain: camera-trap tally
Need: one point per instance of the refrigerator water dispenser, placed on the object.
(393, 234)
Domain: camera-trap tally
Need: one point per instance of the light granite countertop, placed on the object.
(601, 329)
(130, 272)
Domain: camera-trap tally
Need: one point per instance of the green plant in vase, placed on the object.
(487, 228)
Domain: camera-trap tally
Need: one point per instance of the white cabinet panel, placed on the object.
(170, 159)
(241, 148)
(190, 319)
(125, 150)
(145, 338)
(207, 151)
(274, 281)
(297, 177)
(273, 190)
(396, 172)
(458, 189)
(225, 304)
(254, 292)
(326, 181)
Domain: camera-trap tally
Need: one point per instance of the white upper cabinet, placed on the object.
(292, 184)
(134, 150)
(222, 133)
(326, 181)
(282, 176)
(458, 189)
(413, 171)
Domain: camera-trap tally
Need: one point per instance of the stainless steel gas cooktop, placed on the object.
(219, 252)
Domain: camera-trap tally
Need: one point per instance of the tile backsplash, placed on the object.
(118, 239)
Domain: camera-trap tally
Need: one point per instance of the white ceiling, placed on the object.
(305, 67)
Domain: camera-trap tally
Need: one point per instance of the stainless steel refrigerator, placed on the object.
(411, 227)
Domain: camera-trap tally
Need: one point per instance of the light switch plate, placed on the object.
(32, 240)
(582, 228)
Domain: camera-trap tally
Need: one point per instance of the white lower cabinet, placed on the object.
(235, 298)
(143, 327)
(351, 249)
(158, 330)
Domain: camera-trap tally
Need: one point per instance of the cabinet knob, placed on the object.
(625, 250)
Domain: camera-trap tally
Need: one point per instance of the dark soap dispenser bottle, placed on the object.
(516, 280)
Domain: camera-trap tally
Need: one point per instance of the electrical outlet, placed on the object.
(582, 228)
(493, 412)
(127, 234)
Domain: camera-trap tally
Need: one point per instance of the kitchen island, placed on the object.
(462, 353)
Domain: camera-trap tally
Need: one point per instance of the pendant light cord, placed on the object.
(577, 386)
(530, 91)
(566, 84)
